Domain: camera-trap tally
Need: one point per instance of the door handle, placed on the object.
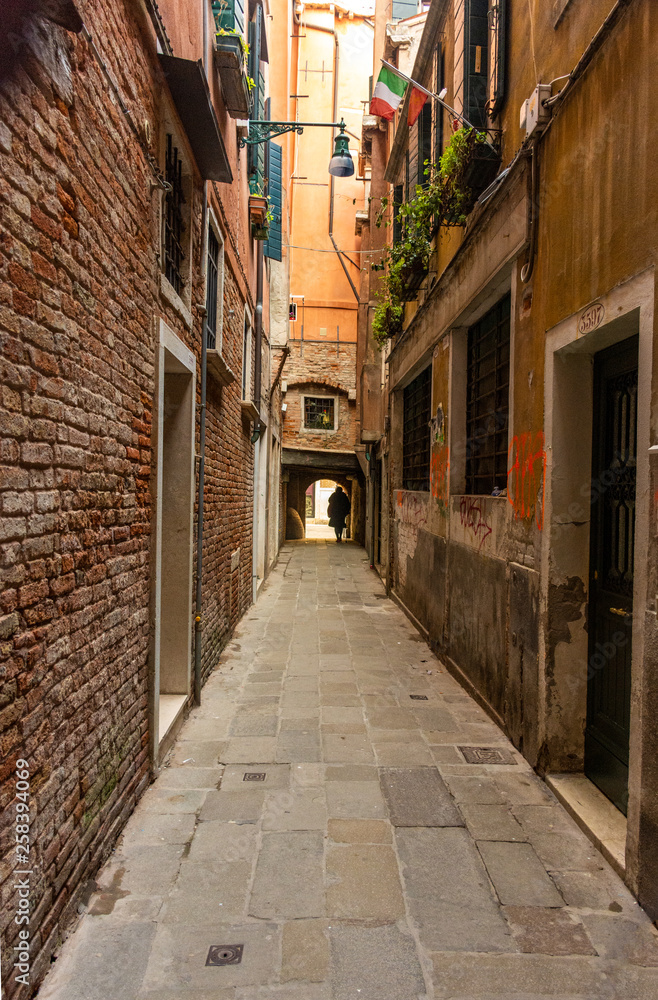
(621, 612)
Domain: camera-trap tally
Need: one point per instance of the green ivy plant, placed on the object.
(444, 201)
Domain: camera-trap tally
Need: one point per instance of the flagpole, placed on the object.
(435, 97)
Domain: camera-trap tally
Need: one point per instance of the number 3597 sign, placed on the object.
(591, 318)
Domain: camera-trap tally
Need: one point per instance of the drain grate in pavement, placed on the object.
(418, 697)
(254, 775)
(486, 755)
(225, 954)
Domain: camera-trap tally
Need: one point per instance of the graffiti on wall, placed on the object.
(440, 477)
(526, 477)
(440, 461)
(473, 516)
(437, 426)
(411, 509)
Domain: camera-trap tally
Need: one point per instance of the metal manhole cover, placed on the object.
(254, 775)
(486, 755)
(418, 697)
(225, 954)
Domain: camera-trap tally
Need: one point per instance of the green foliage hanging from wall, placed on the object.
(446, 200)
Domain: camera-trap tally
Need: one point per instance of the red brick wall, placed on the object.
(323, 370)
(79, 311)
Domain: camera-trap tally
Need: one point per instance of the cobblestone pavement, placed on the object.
(317, 818)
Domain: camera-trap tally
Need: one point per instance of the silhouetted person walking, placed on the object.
(338, 508)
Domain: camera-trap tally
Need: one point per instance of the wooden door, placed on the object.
(614, 464)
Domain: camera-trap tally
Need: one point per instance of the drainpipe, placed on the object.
(259, 426)
(198, 632)
(258, 327)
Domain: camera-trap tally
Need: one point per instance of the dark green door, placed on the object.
(614, 464)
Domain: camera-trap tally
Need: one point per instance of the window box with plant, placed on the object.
(231, 53)
(468, 165)
(260, 215)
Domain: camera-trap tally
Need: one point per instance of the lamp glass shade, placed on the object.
(341, 166)
(341, 163)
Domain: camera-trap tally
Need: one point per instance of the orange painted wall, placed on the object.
(329, 301)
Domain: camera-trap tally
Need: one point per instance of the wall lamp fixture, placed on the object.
(341, 163)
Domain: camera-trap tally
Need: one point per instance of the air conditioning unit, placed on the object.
(534, 113)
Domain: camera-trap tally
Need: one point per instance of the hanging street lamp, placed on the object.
(341, 163)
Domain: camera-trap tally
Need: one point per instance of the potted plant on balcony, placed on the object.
(468, 165)
(260, 215)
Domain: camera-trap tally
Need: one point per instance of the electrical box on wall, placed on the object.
(534, 113)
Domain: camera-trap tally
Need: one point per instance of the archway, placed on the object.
(299, 511)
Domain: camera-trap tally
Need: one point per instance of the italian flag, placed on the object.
(388, 94)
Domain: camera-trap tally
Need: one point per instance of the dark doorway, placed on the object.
(614, 463)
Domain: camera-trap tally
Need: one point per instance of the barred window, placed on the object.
(416, 434)
(211, 288)
(174, 222)
(487, 415)
(319, 413)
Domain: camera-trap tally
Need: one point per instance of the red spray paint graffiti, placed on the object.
(411, 510)
(526, 477)
(440, 477)
(473, 516)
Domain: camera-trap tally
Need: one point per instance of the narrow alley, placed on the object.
(340, 821)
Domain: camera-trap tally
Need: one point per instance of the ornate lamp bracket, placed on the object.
(261, 131)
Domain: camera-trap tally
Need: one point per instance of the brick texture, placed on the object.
(325, 370)
(79, 308)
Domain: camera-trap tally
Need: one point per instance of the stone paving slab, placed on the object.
(418, 797)
(448, 893)
(352, 870)
(288, 880)
(518, 875)
(179, 953)
(375, 963)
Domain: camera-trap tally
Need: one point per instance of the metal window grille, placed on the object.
(424, 143)
(211, 289)
(416, 434)
(439, 77)
(174, 227)
(319, 413)
(487, 414)
(246, 360)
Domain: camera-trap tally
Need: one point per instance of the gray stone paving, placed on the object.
(372, 863)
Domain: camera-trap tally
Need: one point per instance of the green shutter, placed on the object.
(256, 155)
(229, 15)
(272, 248)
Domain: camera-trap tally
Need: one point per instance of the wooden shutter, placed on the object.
(272, 248)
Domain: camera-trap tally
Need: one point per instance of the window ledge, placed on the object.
(170, 295)
(249, 410)
(218, 368)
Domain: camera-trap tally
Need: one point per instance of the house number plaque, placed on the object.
(591, 318)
